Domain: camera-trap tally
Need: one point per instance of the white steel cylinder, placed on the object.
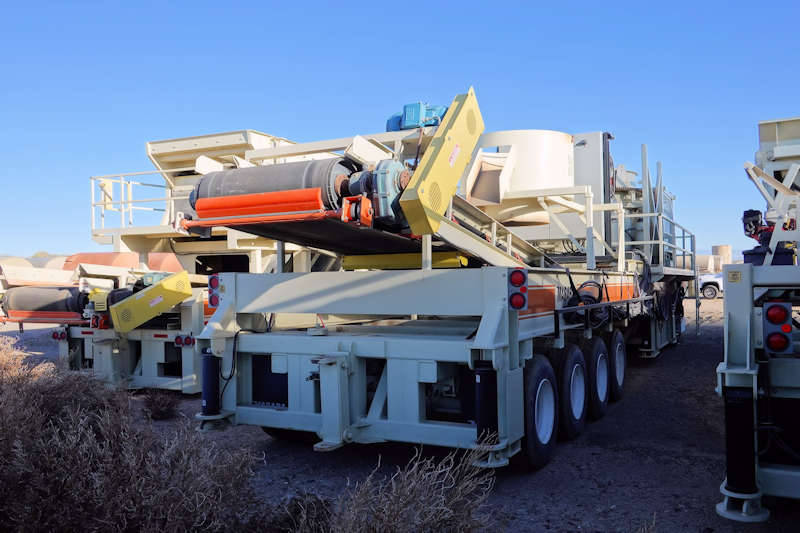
(540, 159)
(543, 158)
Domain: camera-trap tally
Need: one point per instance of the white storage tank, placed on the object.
(725, 253)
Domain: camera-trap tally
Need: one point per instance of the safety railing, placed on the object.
(115, 195)
(668, 253)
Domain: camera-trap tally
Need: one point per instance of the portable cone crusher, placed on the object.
(492, 285)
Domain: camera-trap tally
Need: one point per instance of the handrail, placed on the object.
(662, 242)
(117, 195)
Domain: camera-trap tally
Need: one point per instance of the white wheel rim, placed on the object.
(577, 391)
(545, 410)
(602, 376)
(619, 369)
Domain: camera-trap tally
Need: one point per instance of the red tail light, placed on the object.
(777, 342)
(213, 282)
(213, 300)
(178, 341)
(777, 314)
(517, 278)
(55, 335)
(516, 300)
(62, 335)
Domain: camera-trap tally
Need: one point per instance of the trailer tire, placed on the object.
(596, 355)
(541, 412)
(572, 391)
(617, 365)
(292, 435)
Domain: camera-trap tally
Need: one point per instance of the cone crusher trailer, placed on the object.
(759, 378)
(462, 328)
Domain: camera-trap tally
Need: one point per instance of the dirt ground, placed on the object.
(653, 463)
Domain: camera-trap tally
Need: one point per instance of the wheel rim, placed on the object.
(602, 376)
(545, 411)
(619, 367)
(577, 391)
(709, 293)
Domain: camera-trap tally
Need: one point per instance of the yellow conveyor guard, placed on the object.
(444, 162)
(146, 304)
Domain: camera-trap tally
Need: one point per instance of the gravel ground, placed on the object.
(653, 463)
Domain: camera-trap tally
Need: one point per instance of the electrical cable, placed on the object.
(419, 146)
(233, 369)
(580, 296)
(234, 357)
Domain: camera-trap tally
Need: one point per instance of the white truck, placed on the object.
(710, 285)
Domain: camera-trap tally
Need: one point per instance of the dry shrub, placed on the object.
(425, 495)
(304, 513)
(160, 404)
(72, 457)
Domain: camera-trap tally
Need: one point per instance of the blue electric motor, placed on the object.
(416, 115)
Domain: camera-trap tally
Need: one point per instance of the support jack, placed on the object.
(741, 507)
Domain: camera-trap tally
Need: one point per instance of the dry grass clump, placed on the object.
(73, 458)
(161, 404)
(425, 495)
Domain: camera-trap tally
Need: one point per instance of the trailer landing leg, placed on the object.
(741, 507)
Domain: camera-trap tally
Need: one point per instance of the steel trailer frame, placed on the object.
(325, 368)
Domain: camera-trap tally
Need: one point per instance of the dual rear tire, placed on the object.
(541, 412)
(617, 364)
(606, 363)
(563, 392)
(596, 355)
(573, 398)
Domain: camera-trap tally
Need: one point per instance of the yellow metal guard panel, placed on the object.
(402, 261)
(444, 162)
(137, 309)
(100, 299)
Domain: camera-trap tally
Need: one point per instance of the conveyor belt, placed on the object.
(334, 235)
(469, 230)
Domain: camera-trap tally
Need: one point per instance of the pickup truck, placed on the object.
(710, 285)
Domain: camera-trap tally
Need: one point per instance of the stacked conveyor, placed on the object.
(380, 207)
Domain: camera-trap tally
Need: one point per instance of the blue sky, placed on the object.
(84, 85)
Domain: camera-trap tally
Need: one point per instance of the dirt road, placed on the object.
(657, 457)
